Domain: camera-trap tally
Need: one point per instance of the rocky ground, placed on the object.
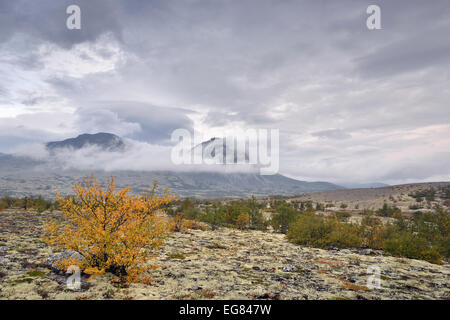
(223, 264)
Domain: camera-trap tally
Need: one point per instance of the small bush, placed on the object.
(408, 245)
(3, 205)
(343, 235)
(243, 221)
(342, 215)
(193, 225)
(316, 231)
(177, 223)
(372, 232)
(387, 211)
(284, 216)
(213, 217)
(113, 231)
(237, 214)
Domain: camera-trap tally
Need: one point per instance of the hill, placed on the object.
(106, 141)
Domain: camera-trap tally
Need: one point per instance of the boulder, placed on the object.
(69, 254)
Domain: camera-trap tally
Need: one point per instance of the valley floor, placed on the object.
(221, 264)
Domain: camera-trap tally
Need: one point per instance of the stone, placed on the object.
(269, 296)
(365, 251)
(289, 268)
(69, 254)
(4, 260)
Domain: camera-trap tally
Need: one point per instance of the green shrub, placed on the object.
(213, 216)
(3, 205)
(320, 206)
(39, 204)
(342, 215)
(284, 215)
(344, 235)
(425, 236)
(257, 220)
(317, 231)
(234, 215)
(387, 211)
(406, 244)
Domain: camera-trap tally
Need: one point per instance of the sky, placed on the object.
(352, 104)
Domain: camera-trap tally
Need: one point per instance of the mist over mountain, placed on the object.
(62, 163)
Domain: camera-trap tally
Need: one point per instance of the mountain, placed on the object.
(106, 141)
(20, 176)
(44, 182)
(215, 184)
(208, 151)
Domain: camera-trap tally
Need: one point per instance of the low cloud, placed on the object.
(138, 156)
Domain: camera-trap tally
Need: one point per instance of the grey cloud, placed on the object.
(252, 118)
(46, 20)
(332, 134)
(140, 121)
(424, 168)
(305, 67)
(417, 52)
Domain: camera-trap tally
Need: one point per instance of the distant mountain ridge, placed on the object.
(106, 141)
(364, 185)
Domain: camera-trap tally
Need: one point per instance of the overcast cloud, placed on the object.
(352, 105)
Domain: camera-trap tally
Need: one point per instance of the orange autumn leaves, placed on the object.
(114, 231)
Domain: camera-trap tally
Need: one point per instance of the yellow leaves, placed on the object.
(94, 271)
(243, 220)
(112, 229)
(194, 225)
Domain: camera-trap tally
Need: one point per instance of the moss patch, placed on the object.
(36, 273)
(176, 255)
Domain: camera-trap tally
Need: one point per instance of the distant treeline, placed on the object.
(37, 203)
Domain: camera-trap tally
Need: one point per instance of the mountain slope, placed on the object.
(40, 181)
(106, 141)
